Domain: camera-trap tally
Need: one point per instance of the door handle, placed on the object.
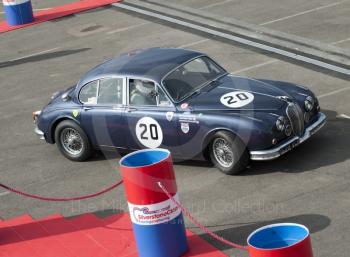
(131, 110)
(87, 108)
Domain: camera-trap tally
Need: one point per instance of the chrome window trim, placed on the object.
(96, 80)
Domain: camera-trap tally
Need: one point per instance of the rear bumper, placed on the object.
(279, 150)
(36, 129)
(39, 133)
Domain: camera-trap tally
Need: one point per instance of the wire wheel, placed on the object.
(223, 152)
(71, 141)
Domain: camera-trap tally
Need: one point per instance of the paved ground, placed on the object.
(309, 185)
(324, 20)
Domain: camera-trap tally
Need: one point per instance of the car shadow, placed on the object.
(239, 234)
(327, 147)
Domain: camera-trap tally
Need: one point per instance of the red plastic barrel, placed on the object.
(157, 222)
(280, 240)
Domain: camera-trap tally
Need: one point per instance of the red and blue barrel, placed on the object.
(158, 223)
(280, 240)
(18, 12)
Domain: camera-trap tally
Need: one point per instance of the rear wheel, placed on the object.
(228, 153)
(72, 141)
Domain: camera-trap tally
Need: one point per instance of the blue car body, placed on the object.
(187, 125)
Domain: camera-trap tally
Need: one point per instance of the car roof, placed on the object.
(152, 63)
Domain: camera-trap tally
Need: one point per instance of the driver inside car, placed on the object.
(142, 93)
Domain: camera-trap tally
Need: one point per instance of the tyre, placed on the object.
(72, 141)
(228, 153)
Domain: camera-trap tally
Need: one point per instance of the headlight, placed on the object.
(280, 123)
(309, 103)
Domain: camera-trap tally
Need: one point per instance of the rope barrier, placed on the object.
(185, 211)
(198, 224)
(16, 191)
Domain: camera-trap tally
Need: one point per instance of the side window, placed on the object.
(88, 93)
(110, 91)
(142, 93)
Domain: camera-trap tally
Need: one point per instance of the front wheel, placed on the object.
(228, 153)
(72, 141)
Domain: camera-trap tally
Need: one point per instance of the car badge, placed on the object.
(185, 127)
(75, 113)
(169, 116)
(184, 106)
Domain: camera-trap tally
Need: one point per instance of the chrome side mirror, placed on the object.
(66, 97)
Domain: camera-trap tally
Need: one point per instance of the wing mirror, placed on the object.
(66, 97)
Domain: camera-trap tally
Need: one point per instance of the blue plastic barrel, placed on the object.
(18, 12)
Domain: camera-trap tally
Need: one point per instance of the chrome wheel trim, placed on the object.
(71, 141)
(223, 152)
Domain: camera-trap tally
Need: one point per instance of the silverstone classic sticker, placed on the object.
(154, 214)
(149, 132)
(237, 99)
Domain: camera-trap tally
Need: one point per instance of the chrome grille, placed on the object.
(296, 118)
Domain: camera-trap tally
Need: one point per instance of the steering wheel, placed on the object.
(178, 88)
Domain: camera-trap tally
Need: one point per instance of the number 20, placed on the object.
(240, 96)
(153, 131)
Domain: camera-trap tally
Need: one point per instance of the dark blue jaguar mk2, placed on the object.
(183, 101)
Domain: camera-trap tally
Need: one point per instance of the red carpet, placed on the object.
(59, 11)
(82, 236)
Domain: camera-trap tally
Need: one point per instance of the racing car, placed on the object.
(183, 101)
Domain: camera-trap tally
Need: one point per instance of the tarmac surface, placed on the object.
(308, 185)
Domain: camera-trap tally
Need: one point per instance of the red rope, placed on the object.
(198, 224)
(61, 199)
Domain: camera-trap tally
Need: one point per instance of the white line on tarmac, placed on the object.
(31, 55)
(341, 41)
(215, 4)
(343, 116)
(334, 92)
(127, 28)
(4, 193)
(304, 12)
(236, 39)
(194, 43)
(255, 66)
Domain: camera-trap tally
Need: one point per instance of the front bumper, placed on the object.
(279, 150)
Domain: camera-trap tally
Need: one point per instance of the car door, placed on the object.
(151, 117)
(103, 108)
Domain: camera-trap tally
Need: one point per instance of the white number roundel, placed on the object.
(237, 99)
(149, 132)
